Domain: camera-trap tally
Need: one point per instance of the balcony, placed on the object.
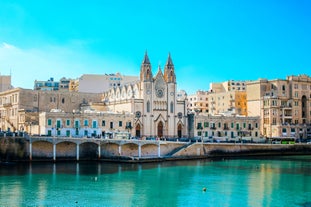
(7, 105)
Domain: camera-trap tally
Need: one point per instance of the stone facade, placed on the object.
(225, 128)
(153, 101)
(19, 108)
(284, 106)
(93, 83)
(198, 102)
(86, 124)
(5, 83)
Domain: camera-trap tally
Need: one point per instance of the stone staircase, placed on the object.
(170, 154)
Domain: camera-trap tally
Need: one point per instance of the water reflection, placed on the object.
(239, 182)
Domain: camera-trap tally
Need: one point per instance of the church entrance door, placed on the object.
(160, 129)
(137, 134)
(179, 128)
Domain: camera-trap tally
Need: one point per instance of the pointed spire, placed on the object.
(169, 71)
(159, 68)
(169, 60)
(146, 58)
(145, 71)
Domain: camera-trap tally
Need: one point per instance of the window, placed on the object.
(86, 122)
(244, 125)
(232, 125)
(120, 123)
(63, 100)
(148, 106)
(58, 124)
(111, 125)
(205, 124)
(237, 126)
(49, 122)
(219, 124)
(103, 123)
(77, 124)
(256, 125)
(94, 124)
(67, 122)
(172, 107)
(199, 125)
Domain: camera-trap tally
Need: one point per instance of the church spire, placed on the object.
(146, 58)
(145, 69)
(169, 71)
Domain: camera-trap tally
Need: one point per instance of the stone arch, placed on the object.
(160, 129)
(138, 130)
(148, 106)
(179, 130)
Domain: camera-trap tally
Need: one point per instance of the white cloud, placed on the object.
(28, 65)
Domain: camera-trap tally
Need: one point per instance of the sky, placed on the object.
(209, 40)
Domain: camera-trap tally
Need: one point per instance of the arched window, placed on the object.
(148, 106)
(63, 100)
(172, 107)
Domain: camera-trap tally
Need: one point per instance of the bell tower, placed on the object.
(145, 70)
(169, 71)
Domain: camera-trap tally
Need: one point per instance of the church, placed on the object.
(153, 102)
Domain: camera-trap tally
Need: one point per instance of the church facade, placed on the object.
(153, 102)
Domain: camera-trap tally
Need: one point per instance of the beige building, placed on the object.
(5, 83)
(19, 107)
(101, 124)
(198, 102)
(92, 83)
(153, 101)
(283, 104)
(234, 102)
(226, 128)
(231, 85)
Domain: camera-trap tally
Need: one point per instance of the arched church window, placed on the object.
(148, 106)
(172, 107)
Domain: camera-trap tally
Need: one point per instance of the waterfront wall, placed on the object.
(21, 149)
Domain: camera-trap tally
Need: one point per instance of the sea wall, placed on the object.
(231, 149)
(19, 149)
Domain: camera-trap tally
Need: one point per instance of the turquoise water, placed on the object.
(278, 181)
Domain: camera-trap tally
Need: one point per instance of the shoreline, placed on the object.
(57, 150)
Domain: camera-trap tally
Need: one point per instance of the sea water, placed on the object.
(273, 181)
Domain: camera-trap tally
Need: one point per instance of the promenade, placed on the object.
(42, 148)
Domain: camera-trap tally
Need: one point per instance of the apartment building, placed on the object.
(234, 102)
(231, 85)
(284, 106)
(87, 123)
(94, 83)
(226, 128)
(19, 108)
(198, 102)
(52, 85)
(5, 83)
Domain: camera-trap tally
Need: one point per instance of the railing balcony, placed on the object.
(7, 105)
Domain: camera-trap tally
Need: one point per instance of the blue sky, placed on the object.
(209, 41)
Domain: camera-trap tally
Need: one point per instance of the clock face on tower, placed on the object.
(159, 93)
